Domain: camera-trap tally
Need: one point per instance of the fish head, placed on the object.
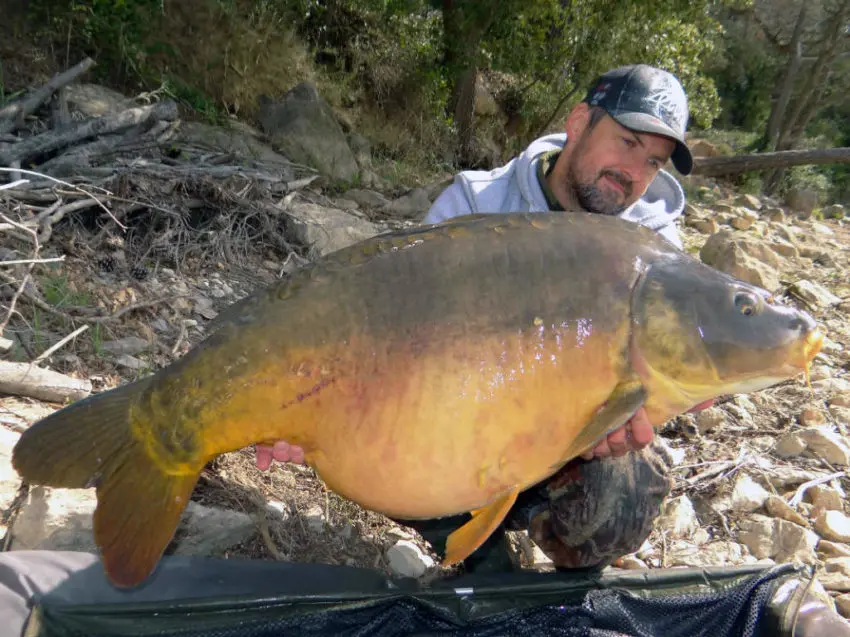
(698, 333)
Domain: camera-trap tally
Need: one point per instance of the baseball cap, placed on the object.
(646, 99)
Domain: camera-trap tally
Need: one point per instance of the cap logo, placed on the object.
(667, 99)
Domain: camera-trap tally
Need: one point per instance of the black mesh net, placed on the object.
(689, 603)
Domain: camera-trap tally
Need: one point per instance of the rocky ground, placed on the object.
(758, 478)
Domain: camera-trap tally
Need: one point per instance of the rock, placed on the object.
(776, 507)
(823, 442)
(630, 562)
(802, 201)
(748, 259)
(406, 559)
(326, 230)
(130, 345)
(825, 497)
(790, 445)
(840, 400)
(774, 215)
(838, 565)
(61, 519)
(719, 553)
(413, 205)
(811, 417)
(814, 294)
(10, 481)
(835, 211)
(785, 477)
(678, 517)
(833, 525)
(743, 219)
(842, 605)
(748, 495)
(131, 362)
(757, 534)
(835, 581)
(827, 549)
(314, 517)
(710, 419)
(212, 530)
(784, 248)
(819, 228)
(704, 226)
(303, 127)
(367, 198)
(778, 539)
(94, 100)
(749, 201)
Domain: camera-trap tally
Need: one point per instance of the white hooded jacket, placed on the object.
(514, 187)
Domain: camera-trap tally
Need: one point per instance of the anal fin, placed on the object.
(463, 541)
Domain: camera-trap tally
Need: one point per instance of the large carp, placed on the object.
(425, 373)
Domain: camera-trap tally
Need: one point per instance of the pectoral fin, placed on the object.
(464, 540)
(621, 405)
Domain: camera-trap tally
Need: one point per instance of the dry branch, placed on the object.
(13, 115)
(713, 166)
(51, 140)
(24, 379)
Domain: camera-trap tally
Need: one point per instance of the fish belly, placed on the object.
(421, 434)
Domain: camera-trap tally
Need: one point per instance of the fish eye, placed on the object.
(746, 303)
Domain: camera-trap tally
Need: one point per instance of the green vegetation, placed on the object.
(404, 72)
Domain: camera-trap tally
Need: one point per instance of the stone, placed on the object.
(835, 211)
(719, 553)
(314, 517)
(790, 445)
(413, 205)
(757, 534)
(776, 507)
(326, 230)
(823, 442)
(130, 345)
(631, 562)
(802, 201)
(814, 294)
(678, 517)
(842, 605)
(710, 419)
(778, 539)
(748, 259)
(703, 226)
(835, 581)
(827, 549)
(367, 198)
(131, 362)
(811, 417)
(837, 565)
(833, 525)
(774, 215)
(749, 201)
(406, 559)
(824, 497)
(747, 494)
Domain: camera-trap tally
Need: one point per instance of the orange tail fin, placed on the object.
(90, 443)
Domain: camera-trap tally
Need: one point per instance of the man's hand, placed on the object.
(636, 434)
(280, 451)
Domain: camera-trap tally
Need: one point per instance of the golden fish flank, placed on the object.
(426, 373)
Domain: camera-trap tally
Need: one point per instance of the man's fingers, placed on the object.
(642, 430)
(264, 456)
(617, 442)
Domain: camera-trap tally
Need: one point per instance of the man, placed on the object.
(608, 161)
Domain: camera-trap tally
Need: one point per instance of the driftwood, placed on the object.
(714, 166)
(23, 379)
(51, 141)
(12, 116)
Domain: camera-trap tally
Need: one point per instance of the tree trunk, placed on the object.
(713, 166)
(777, 114)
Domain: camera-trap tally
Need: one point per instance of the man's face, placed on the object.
(610, 166)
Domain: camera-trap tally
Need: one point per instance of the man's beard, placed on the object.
(594, 199)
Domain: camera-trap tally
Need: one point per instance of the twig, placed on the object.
(26, 278)
(52, 349)
(26, 261)
(801, 490)
(14, 184)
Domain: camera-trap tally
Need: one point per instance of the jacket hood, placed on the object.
(660, 205)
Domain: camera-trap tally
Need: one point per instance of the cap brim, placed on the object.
(681, 156)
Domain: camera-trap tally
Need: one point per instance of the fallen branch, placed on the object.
(25, 379)
(51, 140)
(713, 166)
(13, 115)
(55, 347)
(801, 490)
